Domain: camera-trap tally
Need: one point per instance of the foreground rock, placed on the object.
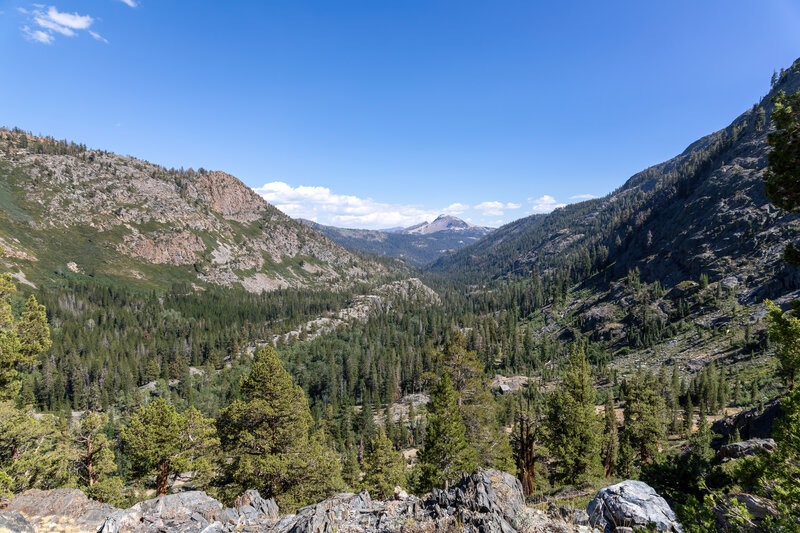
(11, 522)
(47, 509)
(746, 448)
(488, 501)
(631, 504)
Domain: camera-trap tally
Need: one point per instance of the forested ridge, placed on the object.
(624, 327)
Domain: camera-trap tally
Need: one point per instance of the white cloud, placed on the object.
(544, 204)
(455, 209)
(69, 20)
(98, 36)
(50, 22)
(320, 203)
(495, 209)
(582, 197)
(129, 3)
(37, 35)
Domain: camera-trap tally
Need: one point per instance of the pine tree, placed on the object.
(161, 440)
(445, 453)
(266, 439)
(644, 417)
(351, 471)
(610, 449)
(784, 330)
(688, 416)
(96, 459)
(525, 440)
(21, 341)
(572, 426)
(477, 406)
(700, 440)
(384, 467)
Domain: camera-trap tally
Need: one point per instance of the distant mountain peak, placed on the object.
(441, 223)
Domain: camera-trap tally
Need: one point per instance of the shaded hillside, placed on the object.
(420, 244)
(70, 210)
(703, 211)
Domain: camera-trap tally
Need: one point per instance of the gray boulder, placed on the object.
(631, 504)
(185, 511)
(746, 448)
(485, 491)
(729, 518)
(255, 508)
(71, 506)
(13, 522)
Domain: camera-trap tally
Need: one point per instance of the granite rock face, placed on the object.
(751, 423)
(631, 504)
(746, 448)
(61, 506)
(12, 522)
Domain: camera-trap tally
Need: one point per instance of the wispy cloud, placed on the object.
(130, 3)
(581, 197)
(544, 204)
(322, 205)
(45, 22)
(37, 35)
(455, 209)
(495, 209)
(98, 36)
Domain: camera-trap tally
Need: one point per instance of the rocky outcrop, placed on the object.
(730, 518)
(631, 504)
(751, 424)
(179, 248)
(745, 448)
(170, 512)
(11, 522)
(485, 501)
(46, 508)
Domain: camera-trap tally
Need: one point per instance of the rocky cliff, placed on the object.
(65, 208)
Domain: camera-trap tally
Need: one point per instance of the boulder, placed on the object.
(746, 448)
(13, 522)
(568, 514)
(631, 504)
(254, 507)
(70, 506)
(485, 491)
(164, 512)
(757, 510)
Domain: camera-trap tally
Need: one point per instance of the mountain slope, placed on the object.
(703, 211)
(420, 244)
(66, 208)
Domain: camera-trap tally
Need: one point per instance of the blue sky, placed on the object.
(378, 114)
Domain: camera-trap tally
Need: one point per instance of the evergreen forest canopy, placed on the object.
(118, 389)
